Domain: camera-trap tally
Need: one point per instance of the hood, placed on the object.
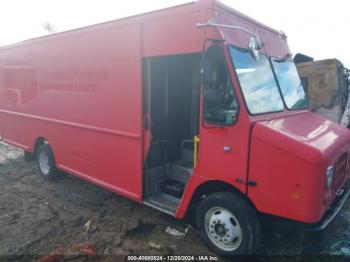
(305, 135)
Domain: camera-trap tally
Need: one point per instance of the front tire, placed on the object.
(228, 225)
(46, 161)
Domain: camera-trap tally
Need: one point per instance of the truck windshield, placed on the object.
(257, 82)
(290, 84)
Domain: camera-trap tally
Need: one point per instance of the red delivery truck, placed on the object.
(192, 108)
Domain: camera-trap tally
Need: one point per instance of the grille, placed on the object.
(340, 171)
(340, 166)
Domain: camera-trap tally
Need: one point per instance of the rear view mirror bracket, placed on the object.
(210, 23)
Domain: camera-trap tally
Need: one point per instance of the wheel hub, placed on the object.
(223, 229)
(220, 230)
(44, 163)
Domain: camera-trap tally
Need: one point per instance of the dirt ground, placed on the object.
(39, 216)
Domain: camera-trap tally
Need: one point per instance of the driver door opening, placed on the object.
(172, 89)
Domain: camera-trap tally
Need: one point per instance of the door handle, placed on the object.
(227, 149)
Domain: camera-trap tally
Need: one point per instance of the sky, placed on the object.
(316, 28)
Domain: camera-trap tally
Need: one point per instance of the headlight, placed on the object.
(330, 176)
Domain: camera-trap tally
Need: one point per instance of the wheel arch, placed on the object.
(39, 141)
(210, 187)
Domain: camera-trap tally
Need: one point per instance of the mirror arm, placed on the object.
(212, 24)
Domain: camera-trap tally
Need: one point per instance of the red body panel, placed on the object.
(292, 152)
(70, 91)
(82, 91)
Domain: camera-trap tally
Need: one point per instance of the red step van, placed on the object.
(195, 107)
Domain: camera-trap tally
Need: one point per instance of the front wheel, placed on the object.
(45, 161)
(228, 225)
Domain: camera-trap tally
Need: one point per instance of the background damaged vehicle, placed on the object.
(326, 83)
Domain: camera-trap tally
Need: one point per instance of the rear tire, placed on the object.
(228, 225)
(46, 161)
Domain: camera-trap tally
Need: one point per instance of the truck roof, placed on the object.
(139, 18)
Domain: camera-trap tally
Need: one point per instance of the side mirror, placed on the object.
(254, 46)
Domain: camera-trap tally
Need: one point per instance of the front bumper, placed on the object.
(333, 211)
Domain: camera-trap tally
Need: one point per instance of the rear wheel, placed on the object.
(228, 225)
(45, 161)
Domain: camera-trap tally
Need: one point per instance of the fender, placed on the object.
(195, 182)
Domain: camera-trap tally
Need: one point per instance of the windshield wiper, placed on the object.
(302, 103)
(284, 59)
